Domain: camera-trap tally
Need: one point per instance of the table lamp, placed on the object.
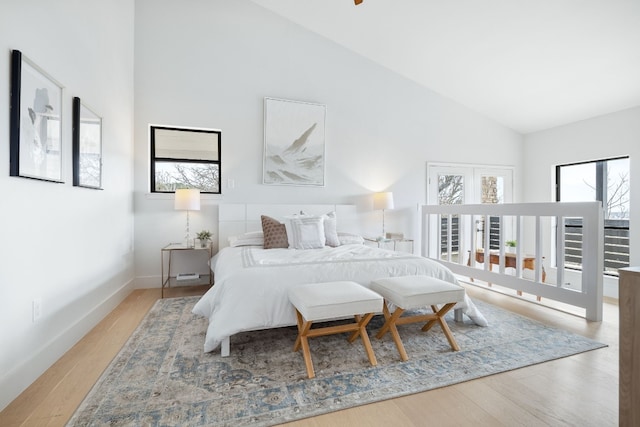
(187, 199)
(382, 201)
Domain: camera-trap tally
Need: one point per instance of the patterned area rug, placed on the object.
(162, 377)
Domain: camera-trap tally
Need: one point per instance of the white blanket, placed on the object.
(251, 283)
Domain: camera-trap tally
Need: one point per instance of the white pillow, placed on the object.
(287, 225)
(350, 239)
(252, 238)
(330, 229)
(305, 232)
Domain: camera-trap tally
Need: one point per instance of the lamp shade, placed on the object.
(187, 199)
(383, 201)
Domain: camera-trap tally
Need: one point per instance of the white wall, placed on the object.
(210, 64)
(607, 136)
(71, 247)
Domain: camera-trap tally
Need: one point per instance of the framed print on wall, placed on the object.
(294, 143)
(35, 122)
(87, 146)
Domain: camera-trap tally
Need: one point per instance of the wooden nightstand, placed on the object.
(169, 277)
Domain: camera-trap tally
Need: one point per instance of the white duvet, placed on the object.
(251, 283)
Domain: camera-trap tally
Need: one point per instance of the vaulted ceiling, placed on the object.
(527, 64)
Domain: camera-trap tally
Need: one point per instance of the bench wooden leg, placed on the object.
(433, 320)
(390, 326)
(301, 340)
(439, 317)
(303, 328)
(398, 342)
(356, 334)
(392, 320)
(357, 329)
(307, 357)
(362, 331)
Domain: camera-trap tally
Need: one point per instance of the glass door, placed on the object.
(455, 184)
(494, 186)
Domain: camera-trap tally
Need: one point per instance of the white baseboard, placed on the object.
(147, 282)
(18, 379)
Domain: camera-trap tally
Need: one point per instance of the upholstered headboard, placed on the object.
(235, 219)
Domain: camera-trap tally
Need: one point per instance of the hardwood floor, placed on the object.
(578, 390)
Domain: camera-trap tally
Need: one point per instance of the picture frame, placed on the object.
(294, 143)
(87, 146)
(35, 122)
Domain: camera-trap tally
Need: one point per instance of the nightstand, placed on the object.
(171, 279)
(399, 245)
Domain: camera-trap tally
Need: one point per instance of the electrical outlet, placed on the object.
(231, 183)
(37, 309)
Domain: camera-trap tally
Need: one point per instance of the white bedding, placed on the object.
(251, 283)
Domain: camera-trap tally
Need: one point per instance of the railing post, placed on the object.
(593, 244)
(560, 251)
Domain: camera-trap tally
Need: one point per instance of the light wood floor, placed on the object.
(580, 390)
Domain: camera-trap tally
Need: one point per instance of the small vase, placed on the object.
(203, 243)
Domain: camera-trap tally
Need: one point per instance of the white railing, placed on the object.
(535, 227)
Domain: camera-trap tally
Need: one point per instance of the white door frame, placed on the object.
(472, 189)
(472, 174)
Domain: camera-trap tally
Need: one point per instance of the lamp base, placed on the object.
(188, 241)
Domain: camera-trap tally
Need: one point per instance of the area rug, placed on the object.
(163, 377)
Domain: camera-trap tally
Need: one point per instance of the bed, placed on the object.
(252, 283)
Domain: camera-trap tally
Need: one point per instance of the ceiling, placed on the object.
(527, 64)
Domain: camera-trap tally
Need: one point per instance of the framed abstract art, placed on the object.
(87, 146)
(294, 143)
(35, 122)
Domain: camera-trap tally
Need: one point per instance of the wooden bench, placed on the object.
(412, 292)
(319, 302)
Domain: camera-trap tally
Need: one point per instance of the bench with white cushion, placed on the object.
(319, 302)
(414, 292)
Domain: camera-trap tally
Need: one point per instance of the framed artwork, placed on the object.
(35, 122)
(87, 146)
(294, 143)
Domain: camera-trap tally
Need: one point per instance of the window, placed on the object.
(607, 181)
(185, 158)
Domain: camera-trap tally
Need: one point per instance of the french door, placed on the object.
(467, 184)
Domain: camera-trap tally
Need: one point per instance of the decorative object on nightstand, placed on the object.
(187, 199)
(204, 236)
(398, 244)
(382, 201)
(187, 276)
(394, 236)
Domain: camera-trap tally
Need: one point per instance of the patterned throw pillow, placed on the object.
(275, 233)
